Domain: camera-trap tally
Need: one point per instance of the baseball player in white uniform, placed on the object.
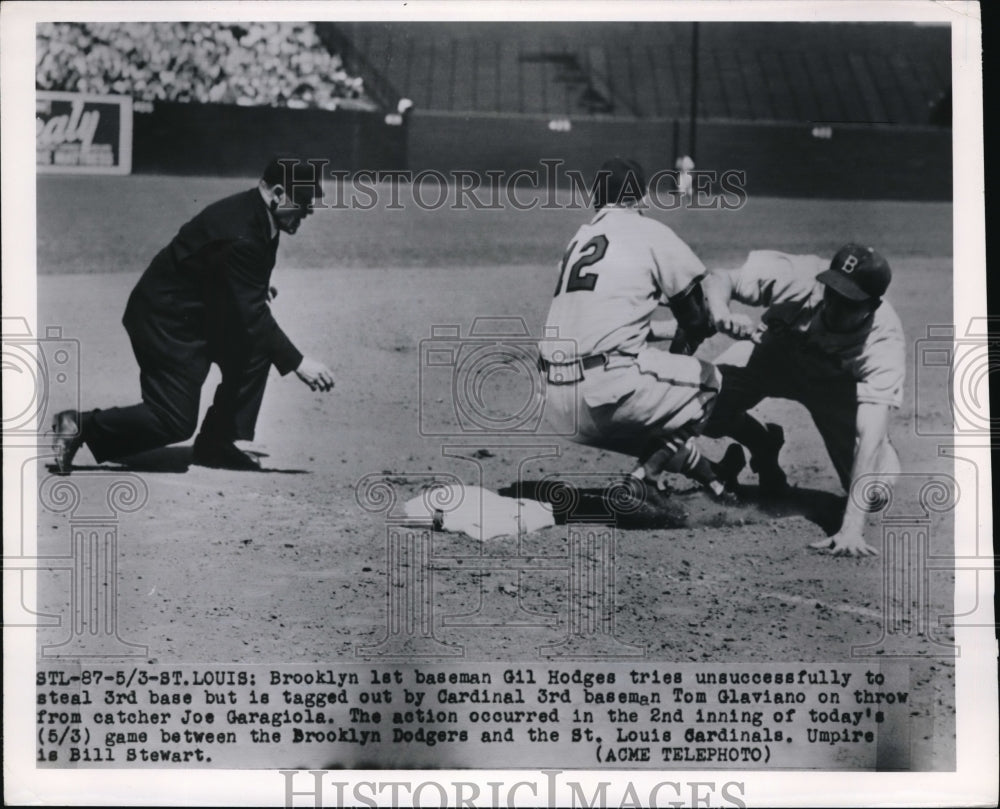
(617, 390)
(828, 340)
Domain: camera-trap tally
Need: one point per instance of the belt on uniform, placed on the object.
(568, 373)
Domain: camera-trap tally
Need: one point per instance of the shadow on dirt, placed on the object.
(609, 505)
(171, 460)
(572, 504)
(821, 508)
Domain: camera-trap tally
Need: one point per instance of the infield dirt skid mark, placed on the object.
(816, 603)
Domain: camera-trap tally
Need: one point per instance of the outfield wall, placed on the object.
(854, 162)
(780, 159)
(231, 141)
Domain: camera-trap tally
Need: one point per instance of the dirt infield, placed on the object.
(286, 566)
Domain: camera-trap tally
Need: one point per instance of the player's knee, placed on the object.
(180, 426)
(182, 432)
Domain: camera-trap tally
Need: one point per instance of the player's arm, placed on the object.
(719, 286)
(881, 376)
(767, 277)
(871, 428)
(678, 273)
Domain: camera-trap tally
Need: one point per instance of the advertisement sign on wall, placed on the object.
(77, 133)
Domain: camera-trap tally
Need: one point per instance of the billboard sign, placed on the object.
(77, 133)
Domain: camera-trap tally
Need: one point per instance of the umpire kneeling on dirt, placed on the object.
(204, 299)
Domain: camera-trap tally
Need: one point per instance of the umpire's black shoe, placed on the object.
(67, 440)
(770, 476)
(222, 455)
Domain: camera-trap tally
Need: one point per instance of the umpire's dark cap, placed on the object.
(858, 273)
(619, 180)
(296, 175)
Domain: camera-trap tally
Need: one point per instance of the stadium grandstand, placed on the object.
(883, 73)
(837, 73)
(859, 110)
(248, 64)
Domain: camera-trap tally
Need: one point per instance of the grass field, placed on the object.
(286, 566)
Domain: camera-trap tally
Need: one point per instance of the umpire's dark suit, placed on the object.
(203, 299)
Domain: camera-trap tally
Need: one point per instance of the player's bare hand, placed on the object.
(738, 326)
(844, 544)
(315, 374)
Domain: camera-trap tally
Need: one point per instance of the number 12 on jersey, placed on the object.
(592, 252)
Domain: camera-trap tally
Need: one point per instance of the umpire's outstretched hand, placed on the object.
(315, 374)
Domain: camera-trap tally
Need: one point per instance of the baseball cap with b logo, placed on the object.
(857, 273)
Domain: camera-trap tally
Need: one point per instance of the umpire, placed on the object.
(204, 299)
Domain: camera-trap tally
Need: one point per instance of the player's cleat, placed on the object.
(724, 495)
(770, 477)
(67, 440)
(637, 493)
(658, 491)
(222, 455)
(641, 504)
